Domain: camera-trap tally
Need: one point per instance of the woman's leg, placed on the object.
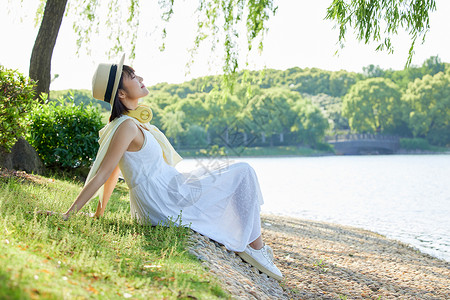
(261, 257)
(257, 244)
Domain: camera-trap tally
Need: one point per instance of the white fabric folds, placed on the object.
(106, 133)
(219, 200)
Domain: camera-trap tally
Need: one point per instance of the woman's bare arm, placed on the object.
(110, 184)
(120, 142)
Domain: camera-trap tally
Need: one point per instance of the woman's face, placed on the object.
(134, 87)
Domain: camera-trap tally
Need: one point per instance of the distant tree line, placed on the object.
(300, 106)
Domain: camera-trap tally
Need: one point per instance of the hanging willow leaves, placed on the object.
(379, 20)
(221, 22)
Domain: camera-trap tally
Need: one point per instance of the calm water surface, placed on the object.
(405, 197)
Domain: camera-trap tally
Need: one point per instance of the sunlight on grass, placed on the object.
(111, 257)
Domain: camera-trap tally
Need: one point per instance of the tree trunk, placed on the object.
(40, 62)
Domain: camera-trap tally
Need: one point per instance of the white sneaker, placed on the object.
(262, 260)
(269, 251)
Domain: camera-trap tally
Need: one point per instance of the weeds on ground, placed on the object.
(111, 257)
(323, 266)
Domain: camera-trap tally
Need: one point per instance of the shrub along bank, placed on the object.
(64, 134)
(16, 101)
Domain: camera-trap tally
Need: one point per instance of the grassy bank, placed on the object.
(253, 151)
(285, 151)
(110, 258)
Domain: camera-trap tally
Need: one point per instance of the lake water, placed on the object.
(405, 197)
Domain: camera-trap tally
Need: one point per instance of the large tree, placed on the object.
(41, 56)
(373, 106)
(309, 124)
(222, 20)
(269, 112)
(429, 100)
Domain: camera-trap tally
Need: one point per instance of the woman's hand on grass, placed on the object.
(65, 216)
(47, 212)
(52, 213)
(90, 215)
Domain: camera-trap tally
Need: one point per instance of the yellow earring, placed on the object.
(142, 113)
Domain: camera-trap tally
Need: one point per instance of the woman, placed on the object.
(222, 203)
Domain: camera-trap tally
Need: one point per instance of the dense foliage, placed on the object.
(300, 106)
(414, 143)
(16, 99)
(65, 135)
(373, 105)
(429, 103)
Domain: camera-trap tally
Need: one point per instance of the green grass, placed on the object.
(280, 151)
(44, 257)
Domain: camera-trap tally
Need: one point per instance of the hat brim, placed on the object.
(116, 81)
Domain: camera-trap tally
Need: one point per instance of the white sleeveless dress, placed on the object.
(222, 203)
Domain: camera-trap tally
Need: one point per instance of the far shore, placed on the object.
(302, 152)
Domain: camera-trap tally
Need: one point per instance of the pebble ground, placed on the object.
(327, 261)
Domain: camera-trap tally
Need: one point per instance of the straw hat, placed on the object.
(106, 80)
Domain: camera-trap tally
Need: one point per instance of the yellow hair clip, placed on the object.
(142, 113)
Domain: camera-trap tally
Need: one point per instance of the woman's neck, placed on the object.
(131, 104)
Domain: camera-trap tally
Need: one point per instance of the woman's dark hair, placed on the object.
(119, 108)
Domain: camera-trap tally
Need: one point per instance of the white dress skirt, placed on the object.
(222, 203)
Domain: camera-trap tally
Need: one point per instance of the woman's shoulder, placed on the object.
(128, 126)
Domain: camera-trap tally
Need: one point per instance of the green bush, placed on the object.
(194, 137)
(64, 134)
(16, 101)
(414, 144)
(324, 147)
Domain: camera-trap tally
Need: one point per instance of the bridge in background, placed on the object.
(353, 144)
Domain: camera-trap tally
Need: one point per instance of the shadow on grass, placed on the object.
(8, 288)
(139, 252)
